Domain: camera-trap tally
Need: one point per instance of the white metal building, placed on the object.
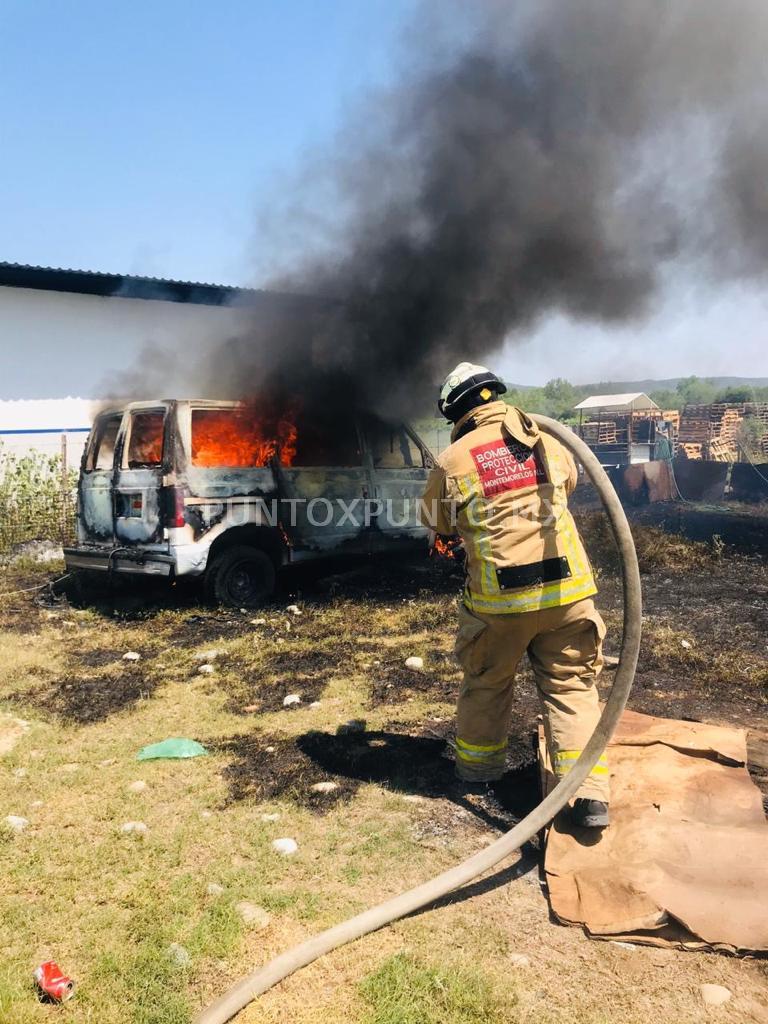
(75, 332)
(53, 426)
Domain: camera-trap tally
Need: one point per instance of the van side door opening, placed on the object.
(139, 477)
(95, 524)
(398, 463)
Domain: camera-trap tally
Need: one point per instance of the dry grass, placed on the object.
(656, 549)
(108, 906)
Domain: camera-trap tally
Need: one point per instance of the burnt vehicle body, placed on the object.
(200, 488)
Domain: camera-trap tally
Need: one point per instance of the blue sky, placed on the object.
(147, 138)
(143, 137)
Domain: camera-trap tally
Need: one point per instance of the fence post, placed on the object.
(64, 494)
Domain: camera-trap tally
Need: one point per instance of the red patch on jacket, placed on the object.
(504, 468)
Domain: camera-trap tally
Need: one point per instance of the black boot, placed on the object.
(589, 813)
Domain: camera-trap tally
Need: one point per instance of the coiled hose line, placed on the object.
(240, 995)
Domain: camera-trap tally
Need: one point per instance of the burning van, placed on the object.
(218, 489)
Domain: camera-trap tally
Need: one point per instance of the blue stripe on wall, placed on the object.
(50, 430)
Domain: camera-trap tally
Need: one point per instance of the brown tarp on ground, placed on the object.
(685, 860)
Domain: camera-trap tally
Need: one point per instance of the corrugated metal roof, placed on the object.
(131, 286)
(631, 400)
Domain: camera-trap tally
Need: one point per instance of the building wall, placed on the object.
(62, 343)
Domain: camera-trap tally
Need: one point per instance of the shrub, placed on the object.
(37, 500)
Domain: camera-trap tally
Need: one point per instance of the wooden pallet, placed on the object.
(690, 450)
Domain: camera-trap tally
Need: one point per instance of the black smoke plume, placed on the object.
(538, 156)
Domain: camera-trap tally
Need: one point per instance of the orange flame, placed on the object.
(146, 442)
(445, 546)
(241, 437)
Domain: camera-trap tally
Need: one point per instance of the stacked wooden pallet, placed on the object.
(712, 431)
(695, 431)
(690, 450)
(720, 451)
(672, 416)
(599, 433)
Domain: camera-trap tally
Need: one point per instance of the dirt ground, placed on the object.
(109, 905)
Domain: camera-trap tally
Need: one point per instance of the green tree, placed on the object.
(666, 399)
(695, 391)
(749, 438)
(738, 395)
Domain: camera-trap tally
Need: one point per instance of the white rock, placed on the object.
(211, 655)
(324, 787)
(414, 663)
(293, 609)
(16, 823)
(352, 726)
(252, 915)
(285, 846)
(19, 773)
(179, 955)
(291, 700)
(214, 889)
(519, 960)
(686, 644)
(131, 656)
(269, 750)
(206, 669)
(270, 817)
(715, 995)
(134, 826)
(137, 787)
(315, 704)
(258, 622)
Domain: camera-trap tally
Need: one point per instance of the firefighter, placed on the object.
(502, 487)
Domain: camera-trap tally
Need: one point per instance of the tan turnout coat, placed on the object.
(502, 486)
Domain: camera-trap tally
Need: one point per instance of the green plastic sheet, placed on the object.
(170, 749)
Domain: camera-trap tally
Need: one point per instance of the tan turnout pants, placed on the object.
(564, 646)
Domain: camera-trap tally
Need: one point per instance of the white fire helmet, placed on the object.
(467, 377)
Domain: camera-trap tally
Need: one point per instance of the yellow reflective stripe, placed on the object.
(572, 755)
(599, 770)
(531, 600)
(475, 746)
(471, 756)
(481, 539)
(565, 760)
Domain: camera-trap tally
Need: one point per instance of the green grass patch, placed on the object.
(405, 991)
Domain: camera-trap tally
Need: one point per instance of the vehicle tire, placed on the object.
(241, 577)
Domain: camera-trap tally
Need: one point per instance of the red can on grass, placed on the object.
(53, 983)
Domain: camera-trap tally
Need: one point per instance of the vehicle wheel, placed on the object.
(241, 577)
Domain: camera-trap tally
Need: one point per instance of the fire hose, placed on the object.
(240, 995)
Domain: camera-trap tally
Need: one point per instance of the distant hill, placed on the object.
(667, 384)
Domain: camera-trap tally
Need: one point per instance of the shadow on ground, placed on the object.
(265, 767)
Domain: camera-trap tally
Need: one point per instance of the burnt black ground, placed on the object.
(715, 600)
